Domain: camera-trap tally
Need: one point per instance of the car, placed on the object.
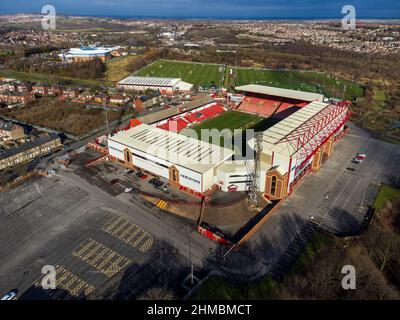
(158, 183)
(351, 169)
(139, 174)
(357, 161)
(143, 176)
(114, 181)
(361, 155)
(128, 171)
(153, 181)
(128, 189)
(10, 295)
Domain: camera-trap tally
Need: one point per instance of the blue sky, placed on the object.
(210, 8)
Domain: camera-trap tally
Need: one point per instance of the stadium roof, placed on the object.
(170, 112)
(188, 152)
(284, 137)
(280, 92)
(150, 81)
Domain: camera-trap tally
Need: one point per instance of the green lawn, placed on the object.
(386, 193)
(195, 73)
(300, 80)
(44, 78)
(230, 120)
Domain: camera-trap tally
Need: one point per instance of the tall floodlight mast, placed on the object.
(254, 172)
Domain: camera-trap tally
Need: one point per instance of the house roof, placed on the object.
(29, 145)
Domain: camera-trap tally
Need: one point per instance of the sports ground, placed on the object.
(205, 74)
(230, 120)
(310, 81)
(200, 74)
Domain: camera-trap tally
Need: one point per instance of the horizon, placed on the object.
(207, 9)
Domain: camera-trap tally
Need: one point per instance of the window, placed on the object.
(273, 185)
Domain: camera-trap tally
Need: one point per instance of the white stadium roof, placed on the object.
(152, 81)
(156, 82)
(281, 138)
(188, 152)
(280, 92)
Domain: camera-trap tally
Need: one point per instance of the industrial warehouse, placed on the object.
(303, 136)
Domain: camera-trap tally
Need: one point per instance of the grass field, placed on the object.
(44, 78)
(300, 80)
(195, 73)
(205, 74)
(230, 120)
(117, 68)
(386, 193)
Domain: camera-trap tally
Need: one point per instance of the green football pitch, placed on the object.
(300, 80)
(225, 123)
(205, 74)
(196, 73)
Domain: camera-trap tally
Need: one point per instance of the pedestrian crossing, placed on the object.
(162, 204)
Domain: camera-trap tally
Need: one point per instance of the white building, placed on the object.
(186, 162)
(164, 85)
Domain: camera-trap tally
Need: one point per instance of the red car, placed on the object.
(114, 181)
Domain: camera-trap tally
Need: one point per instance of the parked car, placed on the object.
(128, 189)
(361, 155)
(10, 295)
(128, 171)
(139, 174)
(114, 181)
(356, 161)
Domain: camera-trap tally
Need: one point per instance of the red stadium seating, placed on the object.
(192, 117)
(265, 105)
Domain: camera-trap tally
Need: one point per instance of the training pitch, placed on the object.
(196, 73)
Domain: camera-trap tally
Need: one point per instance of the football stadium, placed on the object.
(306, 128)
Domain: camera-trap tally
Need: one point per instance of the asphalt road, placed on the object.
(349, 194)
(96, 240)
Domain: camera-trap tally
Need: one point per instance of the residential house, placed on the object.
(11, 97)
(148, 101)
(29, 151)
(11, 131)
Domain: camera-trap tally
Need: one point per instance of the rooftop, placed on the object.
(280, 92)
(193, 154)
(29, 145)
(150, 81)
(274, 137)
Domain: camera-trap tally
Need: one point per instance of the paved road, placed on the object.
(96, 240)
(349, 194)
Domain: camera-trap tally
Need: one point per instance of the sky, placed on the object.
(307, 9)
